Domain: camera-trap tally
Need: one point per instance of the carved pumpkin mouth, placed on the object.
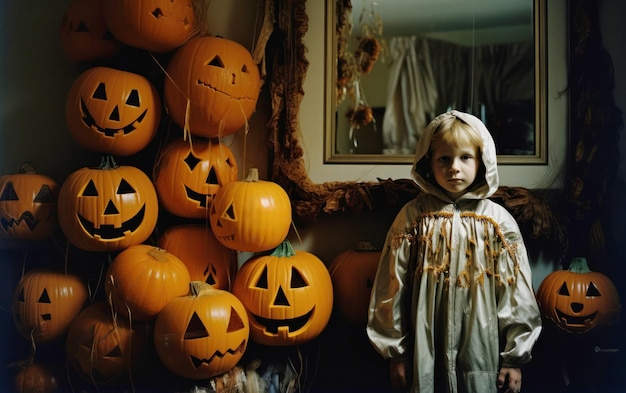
(293, 324)
(27, 217)
(571, 320)
(202, 199)
(109, 232)
(197, 362)
(211, 87)
(110, 132)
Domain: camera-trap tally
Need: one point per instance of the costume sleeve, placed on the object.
(389, 324)
(519, 319)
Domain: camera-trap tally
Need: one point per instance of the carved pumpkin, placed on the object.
(103, 349)
(107, 208)
(28, 203)
(288, 296)
(251, 215)
(352, 273)
(112, 111)
(35, 378)
(578, 300)
(206, 259)
(213, 86)
(84, 34)
(189, 174)
(45, 303)
(142, 279)
(202, 334)
(154, 25)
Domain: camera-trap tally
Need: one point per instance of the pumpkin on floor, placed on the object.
(578, 300)
(28, 204)
(35, 378)
(107, 208)
(206, 259)
(45, 302)
(213, 86)
(203, 334)
(288, 295)
(189, 173)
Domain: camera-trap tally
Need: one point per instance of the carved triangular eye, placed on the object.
(563, 290)
(44, 298)
(115, 353)
(262, 281)
(212, 178)
(157, 13)
(297, 281)
(125, 188)
(44, 195)
(244, 69)
(195, 328)
(101, 92)
(90, 190)
(133, 98)
(235, 323)
(593, 290)
(216, 62)
(8, 194)
(191, 161)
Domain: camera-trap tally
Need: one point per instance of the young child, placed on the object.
(453, 306)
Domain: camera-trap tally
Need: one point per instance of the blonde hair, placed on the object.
(450, 130)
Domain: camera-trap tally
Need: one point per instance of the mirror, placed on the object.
(482, 56)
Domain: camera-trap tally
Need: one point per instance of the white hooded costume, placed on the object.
(453, 292)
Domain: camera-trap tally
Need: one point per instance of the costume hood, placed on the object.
(482, 187)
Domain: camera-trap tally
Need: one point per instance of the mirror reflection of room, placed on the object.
(397, 69)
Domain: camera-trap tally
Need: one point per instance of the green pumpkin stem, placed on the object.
(284, 250)
(107, 162)
(579, 265)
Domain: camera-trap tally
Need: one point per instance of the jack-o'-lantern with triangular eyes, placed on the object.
(84, 34)
(578, 300)
(45, 303)
(203, 334)
(288, 295)
(154, 25)
(206, 259)
(107, 208)
(189, 174)
(213, 86)
(28, 203)
(101, 348)
(112, 111)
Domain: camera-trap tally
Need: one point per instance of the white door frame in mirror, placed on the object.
(313, 112)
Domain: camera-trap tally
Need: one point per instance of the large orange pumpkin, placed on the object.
(353, 273)
(189, 174)
(107, 208)
(206, 259)
(202, 334)
(28, 203)
(578, 300)
(154, 25)
(142, 279)
(251, 215)
(84, 34)
(45, 303)
(213, 86)
(102, 348)
(288, 296)
(112, 111)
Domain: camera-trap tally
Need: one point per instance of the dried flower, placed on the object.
(360, 116)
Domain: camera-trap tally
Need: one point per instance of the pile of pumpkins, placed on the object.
(186, 285)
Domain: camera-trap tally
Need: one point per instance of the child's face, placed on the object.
(454, 167)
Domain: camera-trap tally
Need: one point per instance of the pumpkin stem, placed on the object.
(197, 288)
(27, 167)
(284, 250)
(253, 175)
(107, 162)
(158, 254)
(579, 265)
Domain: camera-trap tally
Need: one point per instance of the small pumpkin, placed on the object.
(28, 203)
(142, 279)
(352, 272)
(112, 111)
(154, 25)
(288, 296)
(206, 259)
(213, 86)
(84, 34)
(251, 215)
(107, 208)
(35, 378)
(189, 174)
(578, 300)
(102, 348)
(45, 302)
(203, 334)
